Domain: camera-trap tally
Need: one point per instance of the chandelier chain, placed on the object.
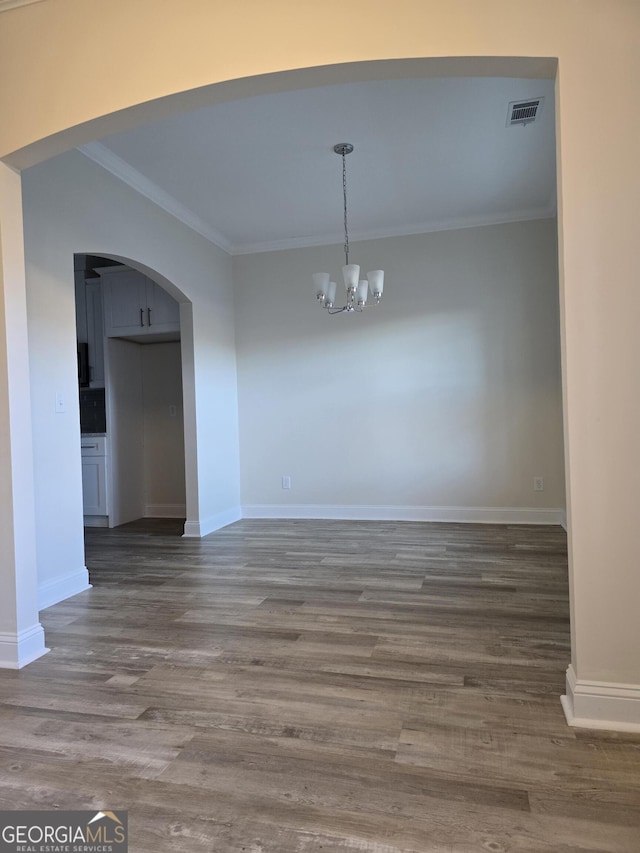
(344, 193)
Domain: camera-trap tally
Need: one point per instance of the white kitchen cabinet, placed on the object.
(163, 311)
(95, 494)
(125, 302)
(136, 307)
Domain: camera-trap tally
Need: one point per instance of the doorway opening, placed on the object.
(130, 390)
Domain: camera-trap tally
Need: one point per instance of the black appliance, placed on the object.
(83, 365)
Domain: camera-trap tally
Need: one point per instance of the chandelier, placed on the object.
(357, 288)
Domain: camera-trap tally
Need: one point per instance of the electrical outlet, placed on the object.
(538, 484)
(286, 481)
(173, 411)
(60, 404)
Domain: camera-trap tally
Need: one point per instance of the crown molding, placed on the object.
(525, 215)
(120, 169)
(5, 5)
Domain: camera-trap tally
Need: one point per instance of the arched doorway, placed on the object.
(597, 212)
(131, 400)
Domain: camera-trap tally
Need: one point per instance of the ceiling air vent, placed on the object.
(524, 112)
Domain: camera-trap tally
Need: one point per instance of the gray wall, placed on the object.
(446, 395)
(73, 206)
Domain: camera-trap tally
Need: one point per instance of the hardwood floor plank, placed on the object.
(305, 686)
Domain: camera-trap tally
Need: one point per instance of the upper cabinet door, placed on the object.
(163, 312)
(136, 307)
(125, 303)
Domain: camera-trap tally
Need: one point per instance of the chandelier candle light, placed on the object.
(324, 289)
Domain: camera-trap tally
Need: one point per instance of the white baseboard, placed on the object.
(469, 515)
(19, 649)
(601, 705)
(165, 511)
(96, 521)
(53, 591)
(563, 520)
(198, 529)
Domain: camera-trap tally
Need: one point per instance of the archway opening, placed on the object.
(131, 374)
(144, 269)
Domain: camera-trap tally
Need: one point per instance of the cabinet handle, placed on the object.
(141, 317)
(88, 446)
(149, 315)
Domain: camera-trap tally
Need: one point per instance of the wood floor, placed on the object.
(319, 686)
